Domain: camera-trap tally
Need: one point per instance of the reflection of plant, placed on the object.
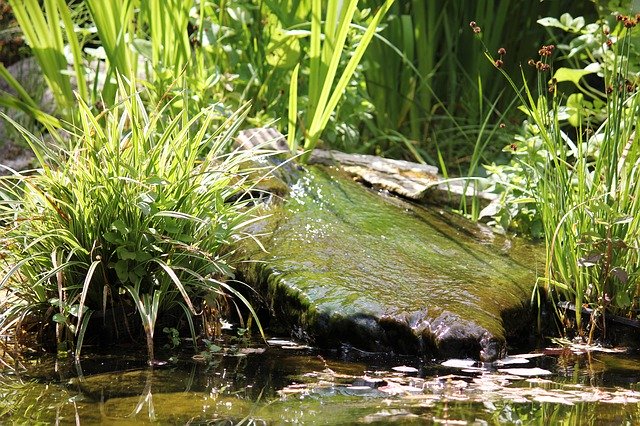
(585, 188)
(137, 209)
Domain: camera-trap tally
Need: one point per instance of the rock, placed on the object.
(418, 182)
(346, 264)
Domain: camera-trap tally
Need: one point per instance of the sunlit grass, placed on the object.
(586, 191)
(135, 207)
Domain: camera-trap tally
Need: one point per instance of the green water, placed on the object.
(304, 386)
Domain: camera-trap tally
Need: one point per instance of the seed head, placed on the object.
(546, 50)
(498, 63)
(630, 23)
(473, 24)
(609, 89)
(502, 125)
(531, 62)
(477, 30)
(502, 51)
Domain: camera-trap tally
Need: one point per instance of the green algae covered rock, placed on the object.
(345, 264)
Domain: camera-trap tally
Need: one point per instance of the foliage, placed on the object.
(430, 85)
(327, 43)
(579, 165)
(138, 209)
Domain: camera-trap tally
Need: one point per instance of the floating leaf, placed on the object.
(526, 372)
(459, 363)
(405, 369)
(511, 360)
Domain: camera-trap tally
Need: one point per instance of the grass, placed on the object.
(429, 83)
(585, 189)
(136, 208)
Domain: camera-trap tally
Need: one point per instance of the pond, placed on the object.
(286, 383)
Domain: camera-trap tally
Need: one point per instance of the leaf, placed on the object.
(125, 254)
(622, 299)
(536, 371)
(142, 256)
(622, 220)
(571, 74)
(120, 226)
(590, 260)
(145, 208)
(122, 270)
(620, 274)
(59, 318)
(112, 237)
(283, 51)
(85, 288)
(293, 110)
(143, 47)
(75, 310)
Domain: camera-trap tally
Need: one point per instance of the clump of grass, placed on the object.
(133, 207)
(586, 188)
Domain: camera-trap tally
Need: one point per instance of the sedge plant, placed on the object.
(585, 187)
(136, 209)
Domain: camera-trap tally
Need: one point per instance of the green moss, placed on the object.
(339, 251)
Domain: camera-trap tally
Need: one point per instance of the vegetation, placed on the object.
(576, 166)
(138, 194)
(130, 208)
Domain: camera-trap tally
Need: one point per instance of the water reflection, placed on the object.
(287, 386)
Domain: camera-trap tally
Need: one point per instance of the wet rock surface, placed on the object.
(346, 264)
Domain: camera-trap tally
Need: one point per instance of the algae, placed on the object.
(347, 264)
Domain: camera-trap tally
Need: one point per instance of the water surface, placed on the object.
(305, 386)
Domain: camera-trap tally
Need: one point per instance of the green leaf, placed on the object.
(120, 226)
(125, 254)
(122, 270)
(142, 256)
(143, 47)
(571, 74)
(60, 318)
(283, 51)
(75, 310)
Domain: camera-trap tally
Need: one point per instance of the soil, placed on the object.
(14, 157)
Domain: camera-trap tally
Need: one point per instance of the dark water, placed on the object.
(304, 386)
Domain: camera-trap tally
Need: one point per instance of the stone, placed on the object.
(347, 264)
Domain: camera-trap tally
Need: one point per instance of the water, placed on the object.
(284, 385)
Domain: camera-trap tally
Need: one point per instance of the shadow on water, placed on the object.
(304, 386)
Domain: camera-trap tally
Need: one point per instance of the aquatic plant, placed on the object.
(133, 208)
(580, 163)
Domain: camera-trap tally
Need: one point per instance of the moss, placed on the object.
(344, 261)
